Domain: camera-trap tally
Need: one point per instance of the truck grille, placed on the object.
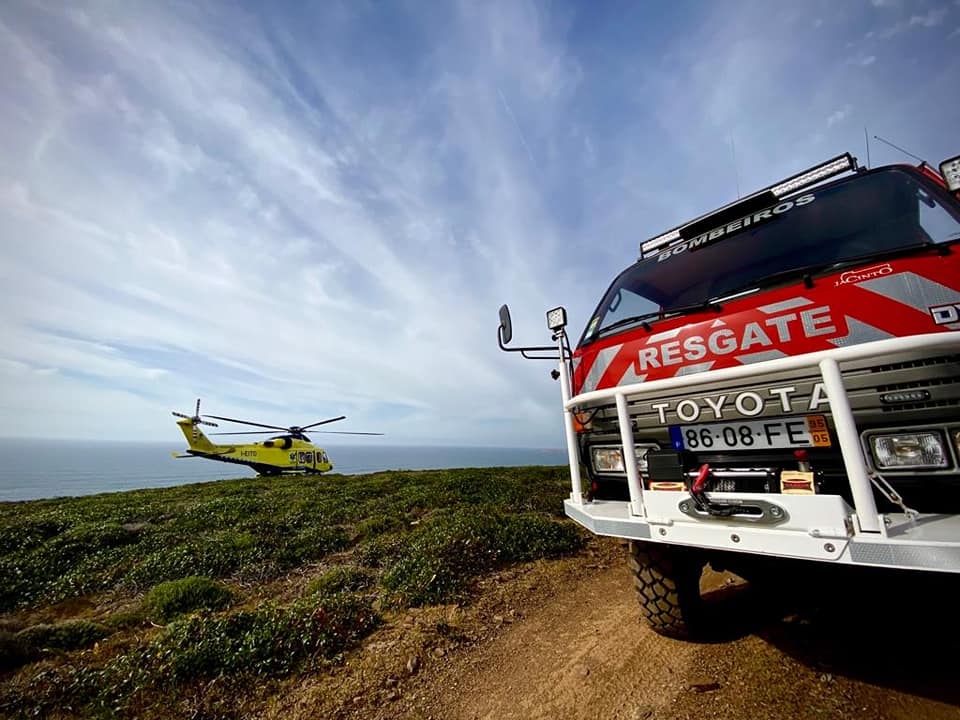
(926, 362)
(938, 375)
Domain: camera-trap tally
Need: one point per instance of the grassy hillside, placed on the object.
(178, 601)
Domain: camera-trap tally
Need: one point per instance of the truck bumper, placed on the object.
(813, 528)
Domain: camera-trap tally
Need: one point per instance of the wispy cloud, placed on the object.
(838, 116)
(932, 18)
(297, 213)
(509, 111)
(316, 245)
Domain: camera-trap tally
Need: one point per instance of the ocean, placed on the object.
(33, 469)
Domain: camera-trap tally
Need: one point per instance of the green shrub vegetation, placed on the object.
(341, 579)
(173, 598)
(442, 558)
(387, 539)
(67, 635)
(270, 640)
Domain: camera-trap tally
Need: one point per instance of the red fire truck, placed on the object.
(779, 378)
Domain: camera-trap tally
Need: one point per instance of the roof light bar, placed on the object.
(838, 165)
(818, 173)
(659, 241)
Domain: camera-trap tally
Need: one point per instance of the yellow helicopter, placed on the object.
(289, 452)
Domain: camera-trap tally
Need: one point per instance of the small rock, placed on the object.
(583, 670)
(439, 652)
(702, 685)
(826, 677)
(413, 665)
(498, 619)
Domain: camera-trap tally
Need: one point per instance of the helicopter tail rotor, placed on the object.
(195, 420)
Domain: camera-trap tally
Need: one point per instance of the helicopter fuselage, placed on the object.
(280, 454)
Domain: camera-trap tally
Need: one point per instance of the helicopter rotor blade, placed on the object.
(323, 422)
(207, 422)
(248, 432)
(197, 413)
(343, 432)
(247, 422)
(179, 414)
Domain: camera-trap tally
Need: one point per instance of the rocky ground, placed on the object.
(563, 639)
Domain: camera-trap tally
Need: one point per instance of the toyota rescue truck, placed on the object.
(779, 378)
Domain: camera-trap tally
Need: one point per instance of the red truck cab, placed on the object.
(797, 268)
(777, 380)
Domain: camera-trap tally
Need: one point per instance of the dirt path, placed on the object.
(564, 640)
(581, 654)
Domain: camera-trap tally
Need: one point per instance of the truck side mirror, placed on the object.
(506, 326)
(505, 335)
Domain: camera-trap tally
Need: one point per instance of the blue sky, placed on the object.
(297, 211)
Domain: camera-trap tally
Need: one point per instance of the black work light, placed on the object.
(950, 169)
(556, 318)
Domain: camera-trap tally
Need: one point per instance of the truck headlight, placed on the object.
(609, 459)
(905, 450)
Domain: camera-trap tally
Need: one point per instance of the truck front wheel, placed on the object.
(667, 579)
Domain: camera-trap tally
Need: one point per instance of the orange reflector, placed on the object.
(671, 486)
(581, 422)
(797, 482)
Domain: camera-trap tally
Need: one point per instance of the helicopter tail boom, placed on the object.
(196, 440)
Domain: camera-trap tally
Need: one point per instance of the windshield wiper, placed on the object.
(889, 253)
(656, 315)
(806, 271)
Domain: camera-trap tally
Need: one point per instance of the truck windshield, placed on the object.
(872, 214)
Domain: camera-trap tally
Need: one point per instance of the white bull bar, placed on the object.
(817, 527)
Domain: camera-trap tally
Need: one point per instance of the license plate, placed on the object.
(793, 432)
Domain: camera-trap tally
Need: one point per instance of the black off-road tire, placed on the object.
(667, 579)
